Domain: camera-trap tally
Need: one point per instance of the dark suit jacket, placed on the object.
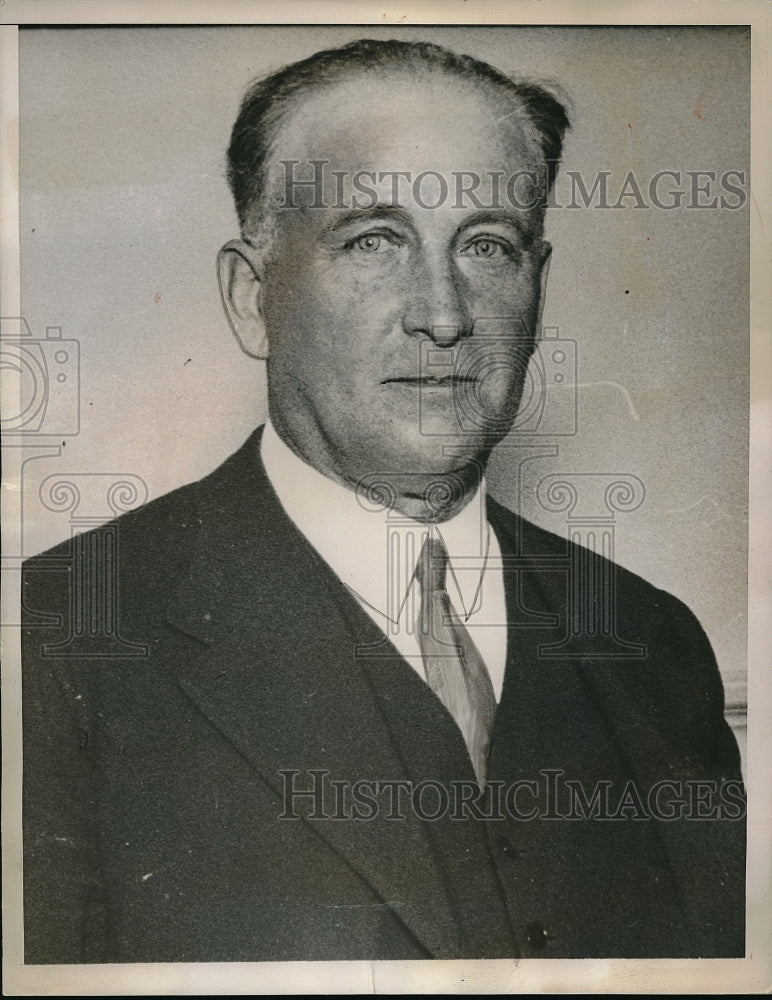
(156, 817)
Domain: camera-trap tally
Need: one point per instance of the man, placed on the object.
(358, 731)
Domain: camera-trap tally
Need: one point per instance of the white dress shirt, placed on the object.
(374, 552)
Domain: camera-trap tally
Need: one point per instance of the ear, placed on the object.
(546, 257)
(238, 273)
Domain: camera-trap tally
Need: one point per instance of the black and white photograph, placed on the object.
(376, 449)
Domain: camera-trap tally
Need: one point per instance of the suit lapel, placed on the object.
(550, 715)
(597, 719)
(278, 675)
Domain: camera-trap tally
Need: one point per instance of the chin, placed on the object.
(440, 454)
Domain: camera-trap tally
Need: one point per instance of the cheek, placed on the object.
(319, 288)
(326, 352)
(505, 294)
(335, 329)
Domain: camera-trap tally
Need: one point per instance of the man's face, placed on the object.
(398, 334)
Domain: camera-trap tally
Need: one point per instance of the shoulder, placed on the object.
(675, 651)
(660, 671)
(170, 522)
(538, 550)
(147, 551)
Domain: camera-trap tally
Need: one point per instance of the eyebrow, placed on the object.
(500, 217)
(379, 211)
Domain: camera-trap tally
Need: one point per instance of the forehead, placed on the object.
(409, 121)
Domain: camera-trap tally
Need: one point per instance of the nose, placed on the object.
(436, 303)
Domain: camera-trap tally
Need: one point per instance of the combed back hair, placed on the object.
(269, 101)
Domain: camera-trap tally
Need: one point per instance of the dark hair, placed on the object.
(269, 100)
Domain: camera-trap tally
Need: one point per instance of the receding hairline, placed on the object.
(293, 106)
(277, 100)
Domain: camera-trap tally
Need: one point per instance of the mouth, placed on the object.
(446, 381)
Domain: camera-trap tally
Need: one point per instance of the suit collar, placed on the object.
(354, 531)
(223, 587)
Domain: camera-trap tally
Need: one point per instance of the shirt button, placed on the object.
(536, 936)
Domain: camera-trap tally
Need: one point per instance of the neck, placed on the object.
(435, 497)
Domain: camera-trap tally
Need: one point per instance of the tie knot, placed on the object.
(432, 565)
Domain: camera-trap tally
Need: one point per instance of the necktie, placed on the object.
(455, 670)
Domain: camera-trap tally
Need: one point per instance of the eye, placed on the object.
(488, 248)
(372, 243)
(368, 243)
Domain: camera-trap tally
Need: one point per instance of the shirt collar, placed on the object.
(374, 551)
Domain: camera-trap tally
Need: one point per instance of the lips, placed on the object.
(429, 380)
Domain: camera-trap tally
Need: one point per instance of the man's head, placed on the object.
(397, 294)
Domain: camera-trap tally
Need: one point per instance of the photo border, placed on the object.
(751, 974)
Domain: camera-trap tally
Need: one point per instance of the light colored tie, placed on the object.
(455, 670)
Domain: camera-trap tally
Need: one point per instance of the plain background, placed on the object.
(124, 205)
